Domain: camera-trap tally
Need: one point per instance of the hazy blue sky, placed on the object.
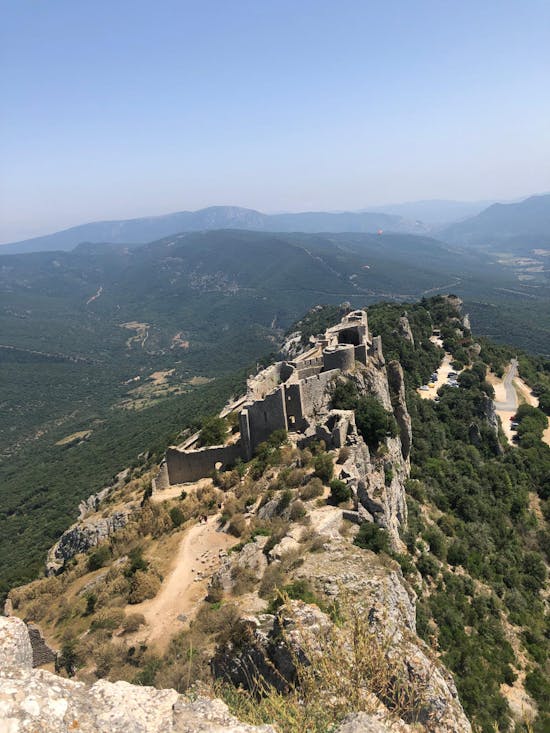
(121, 108)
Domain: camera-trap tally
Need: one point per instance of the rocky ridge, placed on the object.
(37, 701)
(337, 571)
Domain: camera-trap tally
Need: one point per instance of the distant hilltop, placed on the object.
(142, 231)
(502, 221)
(446, 220)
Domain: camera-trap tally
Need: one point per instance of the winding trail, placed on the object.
(96, 296)
(182, 590)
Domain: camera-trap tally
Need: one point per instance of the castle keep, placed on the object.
(288, 395)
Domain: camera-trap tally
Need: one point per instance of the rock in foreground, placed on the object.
(40, 702)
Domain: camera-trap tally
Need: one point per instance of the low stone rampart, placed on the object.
(41, 652)
(192, 465)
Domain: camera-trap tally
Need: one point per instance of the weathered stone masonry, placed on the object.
(288, 395)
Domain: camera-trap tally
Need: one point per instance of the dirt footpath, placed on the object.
(185, 586)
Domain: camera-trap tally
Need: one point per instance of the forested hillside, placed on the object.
(476, 545)
(478, 540)
(103, 346)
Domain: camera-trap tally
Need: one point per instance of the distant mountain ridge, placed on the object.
(501, 222)
(436, 212)
(148, 229)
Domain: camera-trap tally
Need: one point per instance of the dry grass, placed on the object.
(346, 668)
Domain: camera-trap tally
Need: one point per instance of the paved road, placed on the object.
(511, 402)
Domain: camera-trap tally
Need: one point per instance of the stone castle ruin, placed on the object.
(288, 395)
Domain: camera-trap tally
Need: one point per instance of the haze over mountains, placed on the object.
(141, 231)
(444, 219)
(501, 222)
(435, 212)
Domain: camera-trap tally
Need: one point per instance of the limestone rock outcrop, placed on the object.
(404, 329)
(81, 537)
(379, 480)
(269, 647)
(389, 602)
(36, 701)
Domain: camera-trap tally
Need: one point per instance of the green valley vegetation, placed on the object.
(477, 541)
(121, 345)
(478, 530)
(478, 515)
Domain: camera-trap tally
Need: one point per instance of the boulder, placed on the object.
(36, 701)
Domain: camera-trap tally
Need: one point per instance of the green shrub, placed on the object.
(91, 600)
(99, 558)
(213, 431)
(299, 590)
(436, 541)
(372, 537)
(427, 565)
(457, 553)
(416, 489)
(284, 502)
(136, 562)
(177, 516)
(374, 422)
(323, 466)
(339, 491)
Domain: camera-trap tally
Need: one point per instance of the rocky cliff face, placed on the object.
(83, 536)
(272, 647)
(33, 701)
(379, 480)
(36, 701)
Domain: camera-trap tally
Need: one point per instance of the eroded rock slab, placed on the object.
(36, 701)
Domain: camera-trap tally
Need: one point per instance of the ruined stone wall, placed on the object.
(314, 392)
(264, 382)
(161, 480)
(41, 652)
(309, 371)
(192, 465)
(309, 363)
(336, 428)
(361, 353)
(375, 350)
(339, 357)
(293, 406)
(266, 416)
